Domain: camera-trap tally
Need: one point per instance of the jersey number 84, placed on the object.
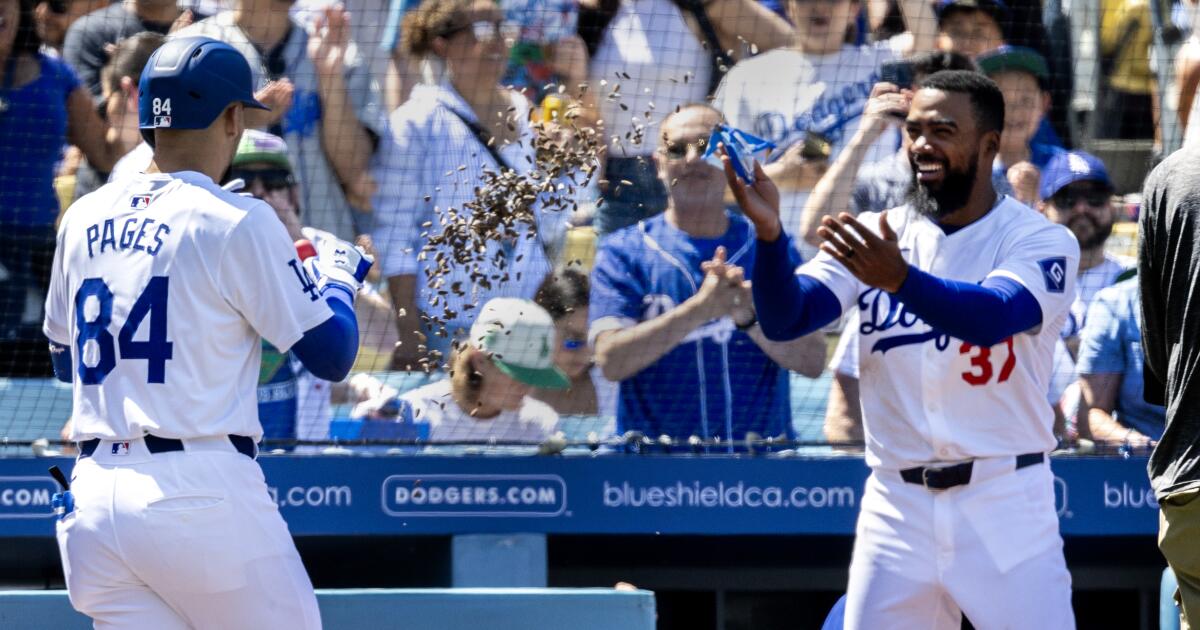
(94, 344)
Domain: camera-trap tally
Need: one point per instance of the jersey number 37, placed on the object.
(98, 358)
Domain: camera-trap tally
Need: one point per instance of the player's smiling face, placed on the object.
(944, 151)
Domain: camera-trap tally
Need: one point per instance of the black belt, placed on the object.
(958, 474)
(154, 444)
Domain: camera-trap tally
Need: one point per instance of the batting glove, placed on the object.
(339, 264)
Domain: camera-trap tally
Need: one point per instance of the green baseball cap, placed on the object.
(260, 147)
(518, 335)
(1018, 58)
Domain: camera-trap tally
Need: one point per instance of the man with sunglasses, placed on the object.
(1076, 191)
(666, 323)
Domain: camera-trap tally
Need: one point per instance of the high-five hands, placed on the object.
(873, 259)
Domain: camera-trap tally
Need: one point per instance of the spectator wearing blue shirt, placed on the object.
(671, 314)
(43, 106)
(1110, 371)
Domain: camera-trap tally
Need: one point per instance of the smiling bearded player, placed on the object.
(961, 296)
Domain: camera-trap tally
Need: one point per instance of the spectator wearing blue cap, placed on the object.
(1077, 192)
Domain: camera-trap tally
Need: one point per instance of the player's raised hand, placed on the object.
(758, 201)
(339, 263)
(873, 258)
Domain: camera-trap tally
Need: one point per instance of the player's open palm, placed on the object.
(759, 201)
(874, 259)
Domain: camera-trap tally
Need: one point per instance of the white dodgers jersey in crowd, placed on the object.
(162, 286)
(928, 397)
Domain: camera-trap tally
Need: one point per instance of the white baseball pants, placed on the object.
(989, 549)
(187, 539)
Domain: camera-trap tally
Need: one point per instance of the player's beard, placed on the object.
(951, 194)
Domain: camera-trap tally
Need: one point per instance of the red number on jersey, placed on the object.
(981, 364)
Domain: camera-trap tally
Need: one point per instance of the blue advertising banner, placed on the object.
(322, 496)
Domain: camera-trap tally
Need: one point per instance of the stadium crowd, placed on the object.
(386, 120)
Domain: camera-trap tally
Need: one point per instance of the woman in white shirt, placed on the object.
(434, 159)
(486, 397)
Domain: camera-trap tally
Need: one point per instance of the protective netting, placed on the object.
(522, 149)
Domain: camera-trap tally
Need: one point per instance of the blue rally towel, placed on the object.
(742, 147)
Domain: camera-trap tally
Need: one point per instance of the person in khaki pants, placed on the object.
(1178, 531)
(1169, 273)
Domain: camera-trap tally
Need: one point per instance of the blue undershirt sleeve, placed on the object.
(788, 305)
(328, 349)
(60, 358)
(981, 314)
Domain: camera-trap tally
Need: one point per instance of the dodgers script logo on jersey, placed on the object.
(880, 312)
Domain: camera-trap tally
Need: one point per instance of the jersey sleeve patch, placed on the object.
(1054, 273)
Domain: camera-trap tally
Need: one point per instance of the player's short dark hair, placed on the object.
(130, 57)
(927, 63)
(562, 292)
(987, 102)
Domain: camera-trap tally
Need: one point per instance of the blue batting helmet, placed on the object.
(189, 81)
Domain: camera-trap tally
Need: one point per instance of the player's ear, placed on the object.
(235, 124)
(991, 142)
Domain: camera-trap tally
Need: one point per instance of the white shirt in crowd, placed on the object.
(132, 164)
(932, 398)
(781, 94)
(649, 41)
(433, 404)
(417, 169)
(162, 287)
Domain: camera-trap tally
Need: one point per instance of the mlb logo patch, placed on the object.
(1054, 273)
(120, 448)
(139, 202)
(162, 121)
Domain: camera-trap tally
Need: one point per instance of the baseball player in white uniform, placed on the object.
(162, 285)
(961, 294)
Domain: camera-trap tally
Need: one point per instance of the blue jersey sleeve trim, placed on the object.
(60, 357)
(788, 305)
(981, 314)
(328, 349)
